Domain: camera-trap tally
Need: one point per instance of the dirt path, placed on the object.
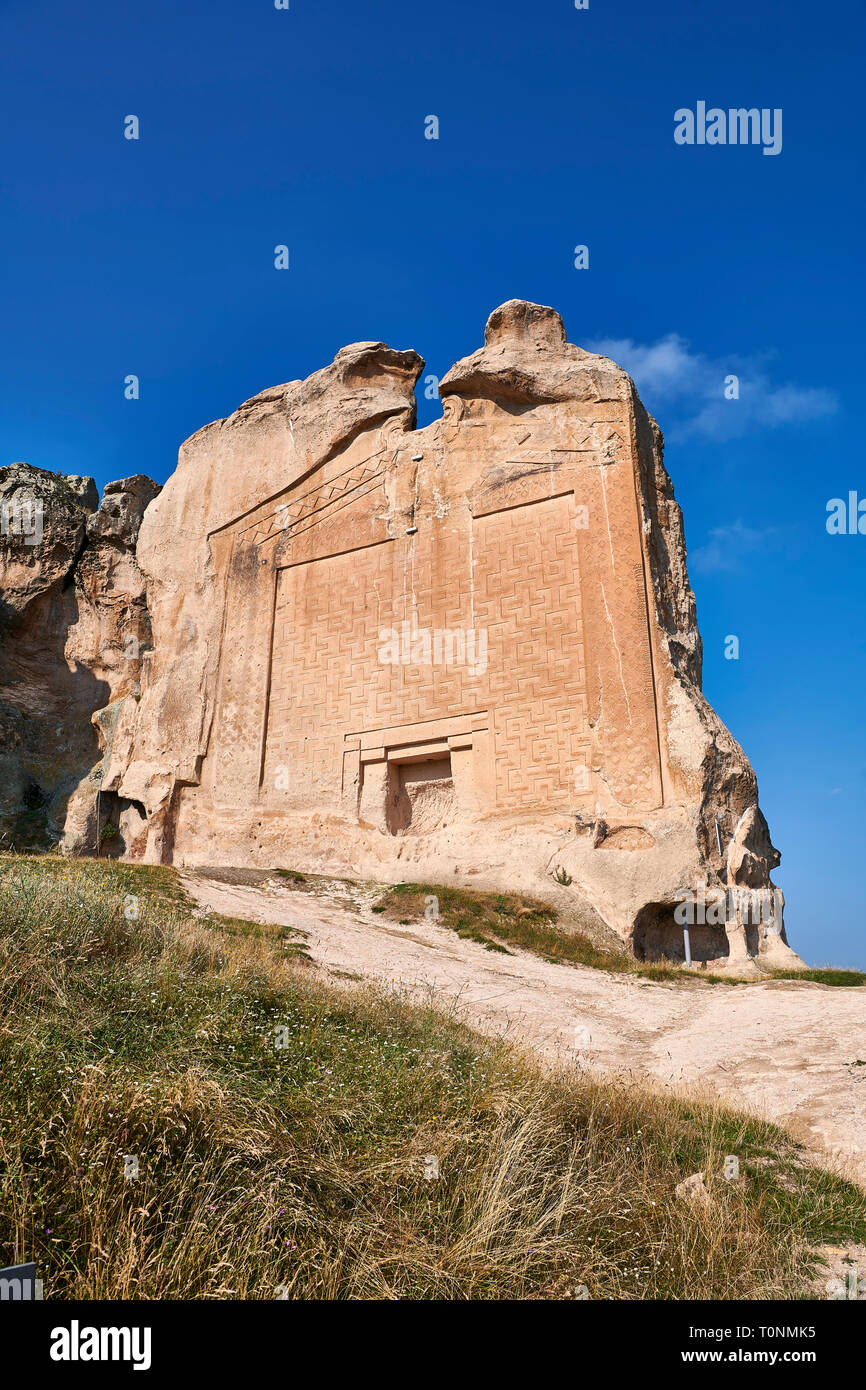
(788, 1051)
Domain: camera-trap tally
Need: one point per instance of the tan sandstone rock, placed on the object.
(694, 1191)
(73, 622)
(467, 652)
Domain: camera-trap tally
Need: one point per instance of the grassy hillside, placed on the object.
(131, 1028)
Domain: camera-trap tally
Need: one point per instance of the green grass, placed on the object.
(828, 975)
(493, 919)
(293, 942)
(131, 1026)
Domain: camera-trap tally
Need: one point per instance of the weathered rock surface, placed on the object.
(72, 624)
(694, 1190)
(464, 651)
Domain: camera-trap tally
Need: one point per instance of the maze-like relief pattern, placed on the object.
(521, 597)
(527, 592)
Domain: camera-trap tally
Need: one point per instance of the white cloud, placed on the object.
(688, 387)
(727, 546)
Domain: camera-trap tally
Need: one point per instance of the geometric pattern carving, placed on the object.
(287, 517)
(327, 680)
(529, 599)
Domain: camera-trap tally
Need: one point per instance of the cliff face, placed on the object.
(73, 623)
(464, 652)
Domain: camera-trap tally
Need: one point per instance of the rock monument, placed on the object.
(467, 653)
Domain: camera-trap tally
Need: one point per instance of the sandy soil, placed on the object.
(788, 1051)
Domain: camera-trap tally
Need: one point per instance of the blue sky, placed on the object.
(306, 127)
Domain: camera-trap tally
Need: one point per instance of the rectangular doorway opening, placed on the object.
(420, 795)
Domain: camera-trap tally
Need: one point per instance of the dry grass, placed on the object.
(299, 1170)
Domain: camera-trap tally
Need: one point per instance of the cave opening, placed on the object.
(658, 937)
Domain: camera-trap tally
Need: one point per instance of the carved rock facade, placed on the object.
(464, 653)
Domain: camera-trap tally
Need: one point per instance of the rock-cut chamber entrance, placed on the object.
(421, 796)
